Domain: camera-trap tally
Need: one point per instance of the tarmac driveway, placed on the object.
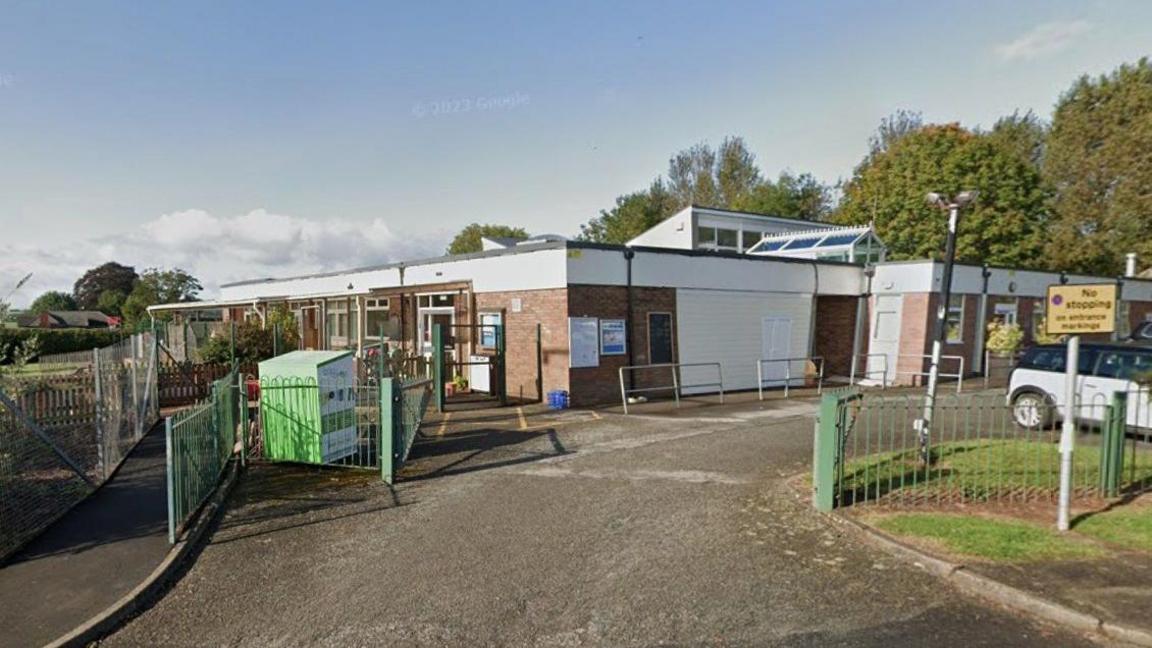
(570, 530)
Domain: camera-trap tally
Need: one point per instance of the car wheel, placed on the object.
(1031, 410)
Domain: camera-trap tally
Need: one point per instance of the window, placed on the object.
(706, 236)
(441, 300)
(660, 338)
(1053, 358)
(375, 317)
(1123, 313)
(750, 238)
(954, 323)
(727, 238)
(1038, 319)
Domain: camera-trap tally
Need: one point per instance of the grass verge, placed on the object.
(1128, 527)
(986, 538)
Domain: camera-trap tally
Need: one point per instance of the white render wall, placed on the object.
(673, 232)
(928, 276)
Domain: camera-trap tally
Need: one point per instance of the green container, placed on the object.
(308, 406)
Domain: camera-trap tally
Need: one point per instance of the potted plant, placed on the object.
(460, 384)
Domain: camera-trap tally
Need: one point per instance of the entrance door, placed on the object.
(776, 344)
(428, 317)
(660, 338)
(884, 347)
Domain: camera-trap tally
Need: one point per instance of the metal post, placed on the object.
(820, 379)
(101, 450)
(501, 374)
(275, 339)
(540, 361)
(171, 480)
(139, 424)
(924, 425)
(232, 343)
(760, 378)
(675, 385)
(1112, 447)
(242, 399)
(623, 391)
(824, 454)
(438, 365)
(387, 431)
(720, 377)
(1068, 432)
(787, 377)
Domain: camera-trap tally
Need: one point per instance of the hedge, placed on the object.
(61, 340)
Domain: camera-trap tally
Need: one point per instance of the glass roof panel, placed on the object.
(769, 246)
(839, 239)
(801, 243)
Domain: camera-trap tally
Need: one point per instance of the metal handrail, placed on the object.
(675, 386)
(959, 375)
(817, 360)
(866, 373)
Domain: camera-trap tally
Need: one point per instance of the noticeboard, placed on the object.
(583, 342)
(1080, 308)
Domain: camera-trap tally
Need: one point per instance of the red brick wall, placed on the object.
(549, 308)
(834, 334)
(917, 327)
(601, 385)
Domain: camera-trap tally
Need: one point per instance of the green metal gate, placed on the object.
(446, 372)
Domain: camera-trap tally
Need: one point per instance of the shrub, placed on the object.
(1004, 338)
(57, 340)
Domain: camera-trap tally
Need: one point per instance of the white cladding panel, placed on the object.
(673, 232)
(608, 267)
(326, 285)
(726, 327)
(928, 276)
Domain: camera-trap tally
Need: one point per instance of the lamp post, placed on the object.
(923, 425)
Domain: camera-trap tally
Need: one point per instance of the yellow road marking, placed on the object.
(523, 421)
(443, 424)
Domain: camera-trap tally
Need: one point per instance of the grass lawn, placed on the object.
(979, 470)
(1130, 527)
(987, 538)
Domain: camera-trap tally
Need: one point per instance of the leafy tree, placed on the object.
(633, 214)
(109, 276)
(892, 129)
(111, 302)
(1098, 162)
(53, 300)
(736, 172)
(468, 240)
(791, 196)
(254, 339)
(156, 286)
(1023, 134)
(1005, 224)
(691, 177)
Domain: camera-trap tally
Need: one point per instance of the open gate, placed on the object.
(469, 366)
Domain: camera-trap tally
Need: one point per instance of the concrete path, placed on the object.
(92, 556)
(575, 529)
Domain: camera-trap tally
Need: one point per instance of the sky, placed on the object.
(244, 140)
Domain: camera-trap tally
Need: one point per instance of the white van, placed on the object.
(1036, 387)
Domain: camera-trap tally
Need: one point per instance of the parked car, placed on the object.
(1036, 386)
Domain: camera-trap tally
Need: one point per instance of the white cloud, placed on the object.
(1047, 38)
(216, 249)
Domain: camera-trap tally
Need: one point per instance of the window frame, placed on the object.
(959, 339)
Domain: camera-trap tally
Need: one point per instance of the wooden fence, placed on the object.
(186, 383)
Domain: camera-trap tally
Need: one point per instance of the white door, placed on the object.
(727, 327)
(776, 344)
(884, 345)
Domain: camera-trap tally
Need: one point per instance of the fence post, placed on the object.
(101, 450)
(540, 361)
(387, 431)
(136, 385)
(242, 402)
(1112, 445)
(438, 365)
(170, 480)
(824, 449)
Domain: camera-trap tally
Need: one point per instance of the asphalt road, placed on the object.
(616, 531)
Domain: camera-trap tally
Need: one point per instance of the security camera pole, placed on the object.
(923, 425)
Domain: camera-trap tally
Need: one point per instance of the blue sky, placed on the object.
(280, 137)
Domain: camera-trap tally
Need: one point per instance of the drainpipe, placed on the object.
(812, 312)
(1130, 264)
(981, 324)
(629, 254)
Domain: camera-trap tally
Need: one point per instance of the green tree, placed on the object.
(111, 302)
(792, 196)
(1098, 162)
(1005, 224)
(736, 172)
(109, 276)
(468, 240)
(634, 213)
(53, 300)
(156, 286)
(1023, 134)
(691, 177)
(892, 129)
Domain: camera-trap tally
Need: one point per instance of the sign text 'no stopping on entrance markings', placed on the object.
(1083, 308)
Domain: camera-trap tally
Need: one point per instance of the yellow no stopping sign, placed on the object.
(1082, 308)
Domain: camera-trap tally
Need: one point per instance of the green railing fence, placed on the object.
(867, 451)
(200, 441)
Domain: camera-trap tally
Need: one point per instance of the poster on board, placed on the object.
(489, 322)
(583, 342)
(613, 341)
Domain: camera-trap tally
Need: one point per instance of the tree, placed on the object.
(736, 172)
(156, 286)
(1022, 134)
(792, 196)
(468, 240)
(111, 302)
(633, 214)
(691, 179)
(53, 300)
(1004, 226)
(1097, 161)
(109, 276)
(892, 129)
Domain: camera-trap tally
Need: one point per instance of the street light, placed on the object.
(923, 425)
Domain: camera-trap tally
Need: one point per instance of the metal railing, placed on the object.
(959, 375)
(818, 361)
(998, 367)
(867, 373)
(676, 386)
(981, 449)
(199, 442)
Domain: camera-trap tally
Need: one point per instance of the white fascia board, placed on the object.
(536, 270)
(335, 284)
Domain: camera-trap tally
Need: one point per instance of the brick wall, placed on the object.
(834, 332)
(600, 385)
(549, 308)
(917, 327)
